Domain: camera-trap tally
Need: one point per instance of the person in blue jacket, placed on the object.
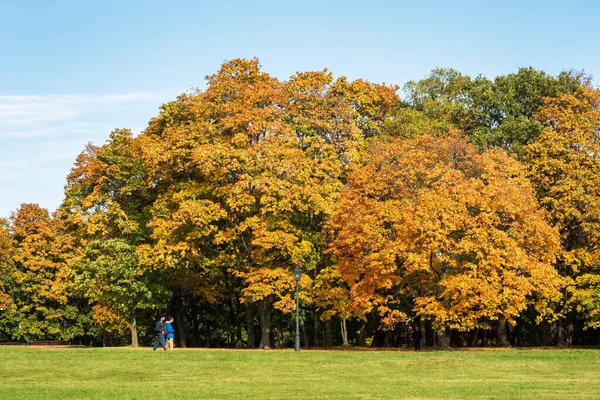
(170, 332)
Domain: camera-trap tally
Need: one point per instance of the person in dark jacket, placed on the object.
(170, 332)
(160, 330)
(417, 338)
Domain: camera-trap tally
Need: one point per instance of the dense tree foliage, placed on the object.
(6, 271)
(498, 113)
(37, 280)
(564, 166)
(469, 209)
(455, 234)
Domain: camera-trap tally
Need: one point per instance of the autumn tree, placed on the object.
(39, 284)
(228, 215)
(564, 166)
(7, 308)
(246, 172)
(107, 194)
(454, 234)
(105, 211)
(336, 118)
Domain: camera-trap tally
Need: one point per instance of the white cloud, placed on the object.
(40, 137)
(29, 116)
(14, 164)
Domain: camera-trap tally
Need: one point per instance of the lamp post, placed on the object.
(297, 275)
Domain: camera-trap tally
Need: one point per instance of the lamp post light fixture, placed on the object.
(297, 275)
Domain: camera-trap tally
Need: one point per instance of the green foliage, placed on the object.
(408, 122)
(110, 276)
(498, 113)
(107, 192)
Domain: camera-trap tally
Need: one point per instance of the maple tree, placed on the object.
(564, 166)
(107, 194)
(105, 212)
(456, 234)
(205, 212)
(38, 283)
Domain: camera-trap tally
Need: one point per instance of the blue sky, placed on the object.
(71, 71)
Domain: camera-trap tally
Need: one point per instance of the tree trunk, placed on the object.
(250, 327)
(327, 336)
(501, 336)
(362, 334)
(422, 327)
(232, 321)
(564, 331)
(238, 324)
(279, 334)
(569, 329)
(386, 339)
(134, 332)
(317, 330)
(235, 335)
(179, 321)
(560, 333)
(344, 333)
(264, 314)
(195, 323)
(474, 336)
(443, 339)
(207, 333)
(304, 335)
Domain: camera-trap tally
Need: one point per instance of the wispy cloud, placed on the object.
(14, 165)
(43, 115)
(40, 137)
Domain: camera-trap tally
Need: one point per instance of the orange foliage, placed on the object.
(456, 233)
(247, 172)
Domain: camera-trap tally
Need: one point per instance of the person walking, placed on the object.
(160, 330)
(417, 338)
(170, 333)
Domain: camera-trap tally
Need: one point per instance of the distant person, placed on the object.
(170, 333)
(161, 330)
(417, 338)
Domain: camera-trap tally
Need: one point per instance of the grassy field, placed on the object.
(124, 373)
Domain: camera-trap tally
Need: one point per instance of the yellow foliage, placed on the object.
(458, 232)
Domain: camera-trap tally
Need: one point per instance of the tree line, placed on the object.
(470, 207)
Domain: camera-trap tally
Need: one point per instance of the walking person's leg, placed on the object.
(156, 344)
(161, 338)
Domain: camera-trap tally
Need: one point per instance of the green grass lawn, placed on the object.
(124, 373)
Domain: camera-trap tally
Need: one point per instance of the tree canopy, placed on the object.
(468, 208)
